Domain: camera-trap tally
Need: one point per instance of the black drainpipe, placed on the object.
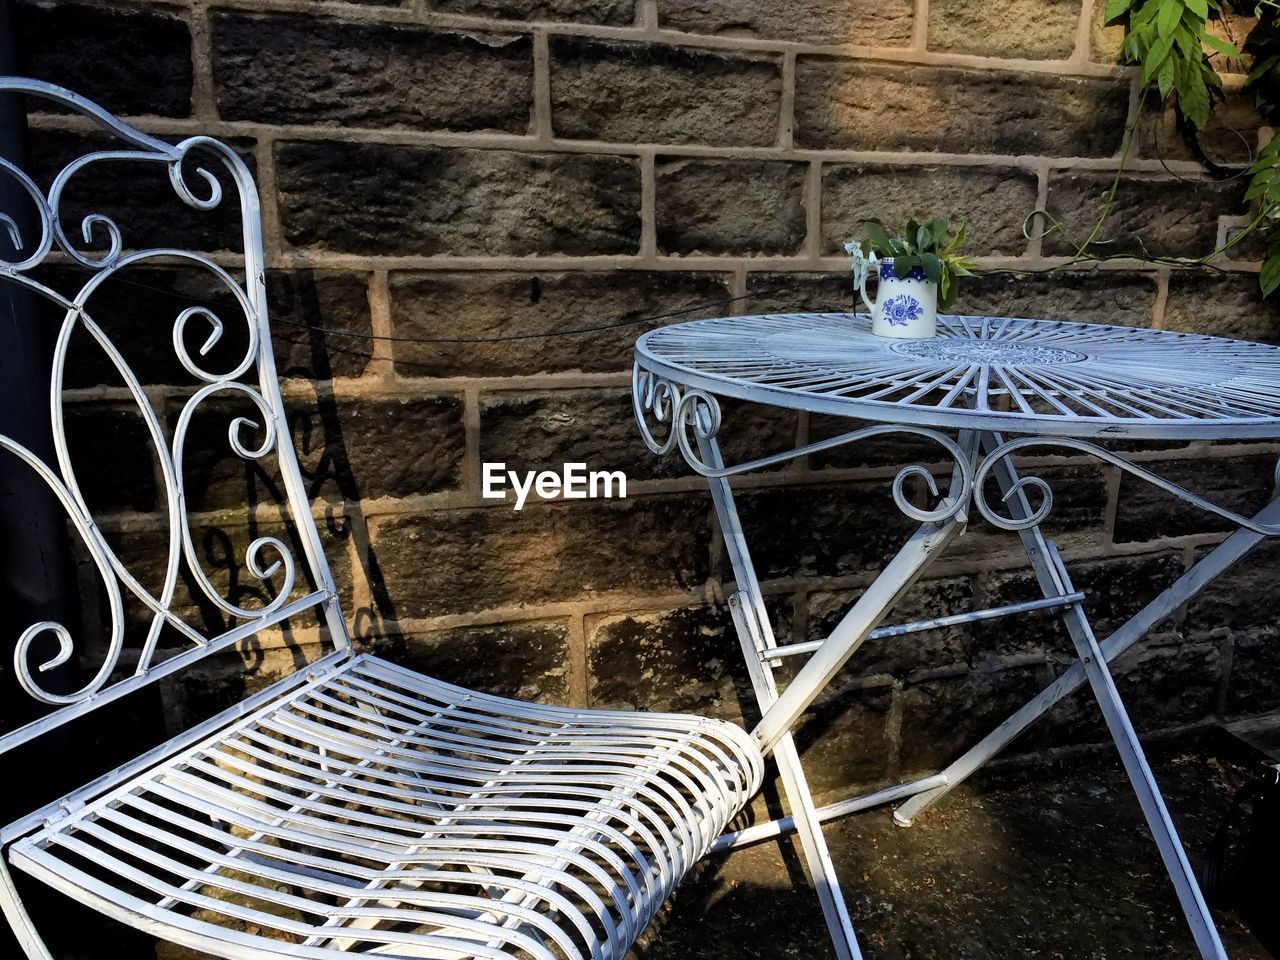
(37, 573)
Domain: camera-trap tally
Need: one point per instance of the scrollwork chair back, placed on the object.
(223, 345)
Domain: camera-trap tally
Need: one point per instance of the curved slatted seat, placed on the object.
(374, 810)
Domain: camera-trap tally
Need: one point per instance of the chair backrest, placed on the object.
(215, 336)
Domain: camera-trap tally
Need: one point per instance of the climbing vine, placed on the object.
(1171, 43)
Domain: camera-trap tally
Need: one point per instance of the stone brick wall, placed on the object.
(472, 168)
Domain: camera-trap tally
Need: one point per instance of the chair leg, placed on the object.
(19, 920)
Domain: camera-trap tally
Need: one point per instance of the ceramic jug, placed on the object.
(907, 307)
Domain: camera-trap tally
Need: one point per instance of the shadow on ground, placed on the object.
(1047, 862)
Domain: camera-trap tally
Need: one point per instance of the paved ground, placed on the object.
(1047, 863)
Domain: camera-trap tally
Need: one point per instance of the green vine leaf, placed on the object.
(1116, 9)
(1269, 277)
(1168, 17)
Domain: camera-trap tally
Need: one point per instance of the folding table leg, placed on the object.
(1141, 777)
(750, 618)
(1205, 571)
(1053, 578)
(803, 810)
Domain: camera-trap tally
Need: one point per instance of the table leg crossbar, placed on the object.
(781, 710)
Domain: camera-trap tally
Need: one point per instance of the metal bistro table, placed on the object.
(1057, 385)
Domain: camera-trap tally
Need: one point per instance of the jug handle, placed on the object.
(871, 307)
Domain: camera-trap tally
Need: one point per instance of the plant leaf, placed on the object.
(1223, 47)
(904, 265)
(1116, 9)
(1168, 17)
(1269, 276)
(1199, 7)
(932, 267)
(937, 227)
(912, 236)
(1188, 42)
(1193, 96)
(875, 233)
(1166, 77)
(1156, 58)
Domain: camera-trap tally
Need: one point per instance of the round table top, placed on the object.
(990, 373)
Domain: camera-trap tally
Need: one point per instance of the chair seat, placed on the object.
(377, 811)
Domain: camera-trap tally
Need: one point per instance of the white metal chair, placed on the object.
(354, 807)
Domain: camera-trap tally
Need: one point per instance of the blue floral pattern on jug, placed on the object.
(886, 272)
(902, 309)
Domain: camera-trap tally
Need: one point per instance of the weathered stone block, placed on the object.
(112, 455)
(524, 661)
(132, 61)
(542, 430)
(824, 530)
(903, 655)
(1115, 590)
(885, 450)
(651, 93)
(1092, 296)
(381, 199)
(1220, 606)
(943, 718)
(1150, 215)
(349, 449)
(799, 292)
(1221, 306)
(470, 306)
(1144, 512)
(304, 307)
(274, 69)
(1255, 676)
(730, 206)
(1034, 29)
(846, 104)
(992, 202)
(672, 660)
(453, 561)
(1163, 687)
(1228, 138)
(1105, 42)
(612, 12)
(861, 22)
(362, 448)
